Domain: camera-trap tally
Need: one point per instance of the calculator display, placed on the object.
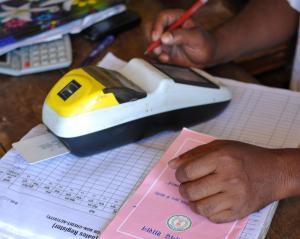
(185, 75)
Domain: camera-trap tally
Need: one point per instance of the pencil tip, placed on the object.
(146, 53)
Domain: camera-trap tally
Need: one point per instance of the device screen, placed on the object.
(185, 76)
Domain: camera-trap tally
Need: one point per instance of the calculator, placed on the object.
(36, 58)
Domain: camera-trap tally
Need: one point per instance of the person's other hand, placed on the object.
(228, 180)
(187, 46)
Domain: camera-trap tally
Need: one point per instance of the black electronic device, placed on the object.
(113, 25)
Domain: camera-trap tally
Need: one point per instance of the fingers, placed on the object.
(223, 180)
(158, 51)
(201, 188)
(224, 216)
(163, 20)
(213, 206)
(186, 46)
(154, 30)
(194, 154)
(164, 58)
(188, 37)
(196, 163)
(196, 168)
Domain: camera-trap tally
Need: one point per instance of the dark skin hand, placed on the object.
(262, 24)
(186, 46)
(227, 180)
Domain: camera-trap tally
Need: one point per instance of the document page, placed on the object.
(68, 196)
(156, 210)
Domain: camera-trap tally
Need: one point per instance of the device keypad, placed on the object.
(39, 57)
(43, 54)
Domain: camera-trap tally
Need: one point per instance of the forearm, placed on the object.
(261, 24)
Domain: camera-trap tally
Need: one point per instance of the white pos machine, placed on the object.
(92, 109)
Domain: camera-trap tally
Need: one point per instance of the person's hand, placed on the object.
(228, 180)
(187, 46)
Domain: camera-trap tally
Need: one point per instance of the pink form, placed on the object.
(156, 210)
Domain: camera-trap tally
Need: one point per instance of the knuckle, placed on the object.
(238, 180)
(235, 181)
(227, 158)
(238, 185)
(231, 163)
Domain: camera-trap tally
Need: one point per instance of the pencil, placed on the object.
(186, 15)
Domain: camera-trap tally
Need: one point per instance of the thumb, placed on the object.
(182, 36)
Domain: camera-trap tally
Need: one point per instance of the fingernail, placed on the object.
(167, 38)
(164, 58)
(155, 36)
(157, 51)
(172, 163)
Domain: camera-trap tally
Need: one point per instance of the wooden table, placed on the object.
(21, 100)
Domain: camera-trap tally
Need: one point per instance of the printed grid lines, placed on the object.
(97, 185)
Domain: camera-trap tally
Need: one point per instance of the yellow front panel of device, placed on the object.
(88, 97)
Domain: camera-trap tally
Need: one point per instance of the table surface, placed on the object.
(21, 100)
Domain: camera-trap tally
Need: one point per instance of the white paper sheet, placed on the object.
(68, 197)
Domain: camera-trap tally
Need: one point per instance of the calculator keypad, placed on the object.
(40, 57)
(44, 54)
